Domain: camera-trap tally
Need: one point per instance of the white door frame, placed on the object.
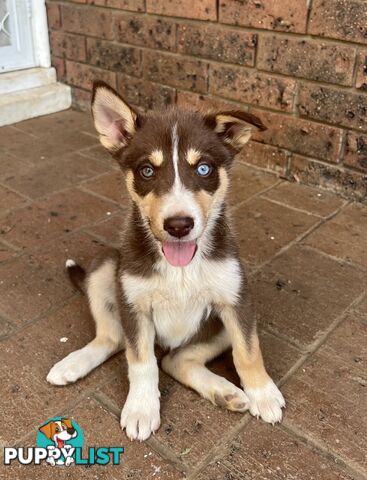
(41, 42)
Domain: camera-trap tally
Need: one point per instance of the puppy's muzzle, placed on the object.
(178, 227)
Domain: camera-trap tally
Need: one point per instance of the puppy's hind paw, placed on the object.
(266, 402)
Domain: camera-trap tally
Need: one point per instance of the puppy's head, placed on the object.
(59, 431)
(176, 165)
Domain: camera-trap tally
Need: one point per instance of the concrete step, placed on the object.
(23, 79)
(34, 102)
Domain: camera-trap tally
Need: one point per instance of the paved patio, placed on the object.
(61, 196)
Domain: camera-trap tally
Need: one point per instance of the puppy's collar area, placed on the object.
(179, 253)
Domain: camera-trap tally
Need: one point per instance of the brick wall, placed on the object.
(299, 64)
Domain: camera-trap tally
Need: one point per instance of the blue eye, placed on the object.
(147, 171)
(203, 170)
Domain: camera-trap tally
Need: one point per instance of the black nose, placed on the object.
(178, 226)
(71, 430)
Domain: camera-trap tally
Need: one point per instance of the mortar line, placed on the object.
(291, 207)
(299, 238)
(320, 449)
(211, 456)
(255, 195)
(165, 452)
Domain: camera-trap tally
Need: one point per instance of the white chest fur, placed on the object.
(179, 298)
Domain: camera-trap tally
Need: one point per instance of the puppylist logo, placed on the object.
(60, 442)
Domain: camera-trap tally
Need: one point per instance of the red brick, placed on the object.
(132, 5)
(195, 101)
(203, 10)
(82, 75)
(250, 86)
(59, 64)
(146, 31)
(175, 71)
(348, 183)
(265, 156)
(356, 151)
(285, 15)
(306, 58)
(339, 107)
(217, 43)
(342, 19)
(81, 99)
(87, 21)
(112, 56)
(68, 46)
(300, 136)
(361, 80)
(145, 94)
(53, 15)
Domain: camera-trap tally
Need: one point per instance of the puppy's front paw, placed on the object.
(140, 417)
(266, 402)
(74, 366)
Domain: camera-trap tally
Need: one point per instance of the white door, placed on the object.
(16, 43)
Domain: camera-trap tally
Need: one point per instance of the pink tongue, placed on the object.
(179, 254)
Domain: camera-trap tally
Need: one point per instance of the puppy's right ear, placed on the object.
(114, 120)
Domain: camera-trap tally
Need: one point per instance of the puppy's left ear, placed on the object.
(234, 127)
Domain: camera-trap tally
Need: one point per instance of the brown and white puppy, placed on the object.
(177, 278)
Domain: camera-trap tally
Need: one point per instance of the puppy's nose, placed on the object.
(178, 226)
(71, 430)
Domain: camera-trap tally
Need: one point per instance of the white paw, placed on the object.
(76, 365)
(227, 395)
(266, 402)
(140, 416)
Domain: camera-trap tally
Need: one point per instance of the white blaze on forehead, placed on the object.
(177, 183)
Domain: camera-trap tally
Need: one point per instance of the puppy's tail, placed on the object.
(76, 274)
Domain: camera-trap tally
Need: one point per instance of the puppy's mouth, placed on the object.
(179, 253)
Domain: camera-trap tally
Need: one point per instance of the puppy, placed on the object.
(177, 278)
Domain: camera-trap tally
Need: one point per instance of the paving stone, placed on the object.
(11, 165)
(6, 252)
(305, 198)
(55, 174)
(5, 327)
(9, 199)
(301, 292)
(265, 452)
(263, 228)
(33, 283)
(326, 396)
(344, 236)
(109, 230)
(100, 153)
(49, 125)
(29, 354)
(52, 145)
(101, 429)
(246, 182)
(51, 217)
(111, 186)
